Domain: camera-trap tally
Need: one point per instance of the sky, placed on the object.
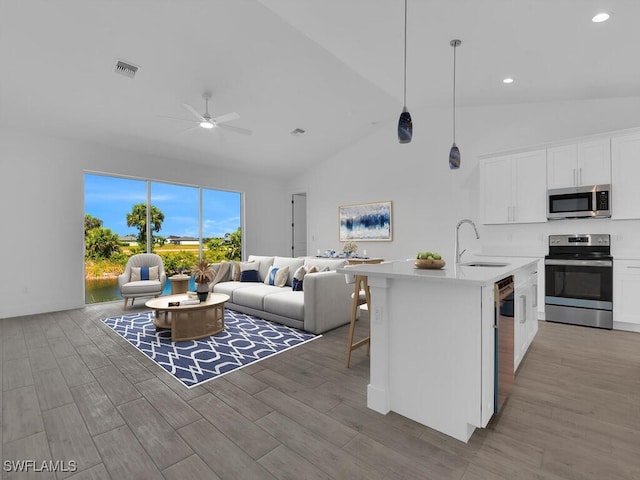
(111, 198)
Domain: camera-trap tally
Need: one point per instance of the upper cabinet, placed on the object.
(514, 188)
(586, 163)
(625, 172)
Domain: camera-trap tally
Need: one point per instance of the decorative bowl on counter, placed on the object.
(429, 263)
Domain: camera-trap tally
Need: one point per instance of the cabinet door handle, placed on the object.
(523, 319)
(633, 266)
(575, 177)
(535, 295)
(580, 176)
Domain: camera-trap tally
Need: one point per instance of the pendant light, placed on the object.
(405, 126)
(454, 153)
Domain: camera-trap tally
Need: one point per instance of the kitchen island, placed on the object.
(433, 341)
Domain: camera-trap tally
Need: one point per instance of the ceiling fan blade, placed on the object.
(226, 118)
(178, 118)
(181, 132)
(243, 131)
(194, 112)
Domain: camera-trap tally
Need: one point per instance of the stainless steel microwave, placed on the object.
(579, 202)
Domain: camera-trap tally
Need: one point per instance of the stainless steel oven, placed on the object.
(579, 280)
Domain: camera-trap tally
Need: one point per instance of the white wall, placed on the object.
(42, 213)
(429, 199)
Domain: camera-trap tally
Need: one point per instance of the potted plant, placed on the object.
(203, 273)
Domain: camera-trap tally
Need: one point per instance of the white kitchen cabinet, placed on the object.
(625, 172)
(626, 295)
(514, 188)
(525, 312)
(578, 164)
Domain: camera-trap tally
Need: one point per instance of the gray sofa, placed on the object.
(323, 304)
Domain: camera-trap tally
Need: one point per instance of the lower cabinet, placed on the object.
(525, 312)
(626, 295)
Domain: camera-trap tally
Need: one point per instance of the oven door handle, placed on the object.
(580, 263)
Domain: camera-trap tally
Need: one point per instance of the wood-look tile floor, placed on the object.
(72, 391)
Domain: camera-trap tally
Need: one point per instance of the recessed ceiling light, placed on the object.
(601, 17)
(507, 80)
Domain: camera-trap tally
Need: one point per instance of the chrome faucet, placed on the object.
(457, 246)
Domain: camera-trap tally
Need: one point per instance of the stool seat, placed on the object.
(361, 300)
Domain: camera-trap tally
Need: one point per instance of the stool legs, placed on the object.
(361, 284)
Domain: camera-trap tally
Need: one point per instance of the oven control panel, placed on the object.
(581, 240)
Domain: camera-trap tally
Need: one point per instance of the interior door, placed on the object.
(298, 224)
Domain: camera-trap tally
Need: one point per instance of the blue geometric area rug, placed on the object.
(244, 340)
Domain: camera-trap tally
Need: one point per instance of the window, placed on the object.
(180, 223)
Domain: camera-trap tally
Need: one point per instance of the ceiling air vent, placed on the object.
(297, 132)
(125, 69)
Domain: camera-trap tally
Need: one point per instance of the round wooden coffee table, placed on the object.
(189, 322)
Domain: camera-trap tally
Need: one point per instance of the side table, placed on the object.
(179, 284)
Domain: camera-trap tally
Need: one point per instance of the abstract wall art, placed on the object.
(366, 222)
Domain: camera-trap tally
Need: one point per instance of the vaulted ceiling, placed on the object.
(333, 68)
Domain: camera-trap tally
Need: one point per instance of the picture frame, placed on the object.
(366, 222)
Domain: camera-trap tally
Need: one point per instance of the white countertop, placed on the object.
(405, 269)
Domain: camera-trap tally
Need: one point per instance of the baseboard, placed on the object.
(626, 326)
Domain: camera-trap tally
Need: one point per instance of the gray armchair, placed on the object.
(141, 278)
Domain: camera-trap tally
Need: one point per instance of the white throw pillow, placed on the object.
(238, 267)
(277, 276)
(298, 278)
(144, 273)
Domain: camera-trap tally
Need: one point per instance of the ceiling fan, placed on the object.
(206, 121)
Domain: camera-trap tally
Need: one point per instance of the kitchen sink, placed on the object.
(484, 264)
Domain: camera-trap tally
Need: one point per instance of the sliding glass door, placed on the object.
(181, 223)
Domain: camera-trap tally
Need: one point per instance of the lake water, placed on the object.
(106, 290)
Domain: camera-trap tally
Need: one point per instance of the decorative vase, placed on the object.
(202, 289)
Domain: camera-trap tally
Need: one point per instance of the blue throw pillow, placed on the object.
(296, 285)
(144, 273)
(250, 276)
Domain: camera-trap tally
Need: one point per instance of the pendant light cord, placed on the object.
(405, 55)
(454, 94)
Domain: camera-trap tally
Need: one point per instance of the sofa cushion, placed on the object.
(292, 263)
(321, 263)
(286, 303)
(263, 264)
(144, 273)
(229, 287)
(253, 296)
(277, 276)
(140, 286)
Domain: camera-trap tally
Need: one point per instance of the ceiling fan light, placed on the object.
(206, 124)
(600, 17)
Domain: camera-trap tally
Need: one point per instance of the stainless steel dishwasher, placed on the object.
(504, 328)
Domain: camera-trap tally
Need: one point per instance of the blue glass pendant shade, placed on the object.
(454, 157)
(405, 127)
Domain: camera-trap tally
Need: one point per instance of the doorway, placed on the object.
(298, 224)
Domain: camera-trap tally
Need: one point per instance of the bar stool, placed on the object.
(361, 300)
